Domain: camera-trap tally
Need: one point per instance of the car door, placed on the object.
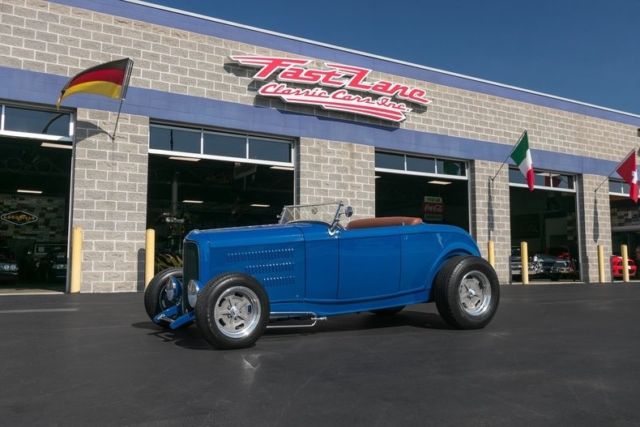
(369, 262)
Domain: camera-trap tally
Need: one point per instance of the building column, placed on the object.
(490, 213)
(327, 171)
(110, 199)
(594, 215)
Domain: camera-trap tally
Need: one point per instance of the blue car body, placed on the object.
(309, 267)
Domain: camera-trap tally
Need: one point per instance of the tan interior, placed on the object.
(383, 222)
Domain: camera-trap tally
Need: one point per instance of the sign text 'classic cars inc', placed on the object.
(353, 93)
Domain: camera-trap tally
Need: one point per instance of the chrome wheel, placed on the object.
(171, 292)
(475, 293)
(237, 312)
(163, 291)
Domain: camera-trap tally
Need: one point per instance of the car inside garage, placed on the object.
(35, 173)
(546, 219)
(625, 230)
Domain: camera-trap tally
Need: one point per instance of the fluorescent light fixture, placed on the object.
(378, 177)
(29, 191)
(259, 205)
(435, 181)
(53, 145)
(196, 202)
(184, 159)
(282, 168)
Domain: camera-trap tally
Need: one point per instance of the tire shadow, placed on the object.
(191, 338)
(367, 321)
(187, 337)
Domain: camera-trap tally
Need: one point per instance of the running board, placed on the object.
(293, 317)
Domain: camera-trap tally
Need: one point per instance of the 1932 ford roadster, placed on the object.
(313, 264)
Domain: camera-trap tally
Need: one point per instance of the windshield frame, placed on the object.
(288, 214)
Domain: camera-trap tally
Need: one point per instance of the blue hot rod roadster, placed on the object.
(236, 282)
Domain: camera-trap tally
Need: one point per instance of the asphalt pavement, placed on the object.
(565, 355)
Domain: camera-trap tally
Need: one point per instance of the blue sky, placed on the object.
(585, 50)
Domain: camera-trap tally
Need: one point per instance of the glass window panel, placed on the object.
(451, 167)
(552, 180)
(174, 140)
(390, 161)
(420, 164)
(35, 121)
(276, 151)
(564, 181)
(225, 145)
(516, 177)
(618, 187)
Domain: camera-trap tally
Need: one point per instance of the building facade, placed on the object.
(223, 123)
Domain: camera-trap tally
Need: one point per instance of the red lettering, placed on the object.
(269, 65)
(359, 74)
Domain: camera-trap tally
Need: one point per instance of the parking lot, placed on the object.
(554, 355)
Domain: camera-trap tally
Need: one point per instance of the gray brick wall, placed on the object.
(490, 209)
(595, 219)
(110, 199)
(329, 171)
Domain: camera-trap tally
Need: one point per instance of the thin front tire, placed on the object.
(156, 297)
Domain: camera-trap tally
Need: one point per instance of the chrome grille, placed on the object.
(191, 264)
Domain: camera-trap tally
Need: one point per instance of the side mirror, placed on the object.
(348, 211)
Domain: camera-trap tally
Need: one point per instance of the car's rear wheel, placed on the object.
(388, 311)
(467, 292)
(232, 311)
(161, 293)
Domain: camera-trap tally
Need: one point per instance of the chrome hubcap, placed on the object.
(237, 312)
(475, 293)
(169, 295)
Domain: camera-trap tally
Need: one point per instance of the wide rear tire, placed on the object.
(467, 292)
(232, 311)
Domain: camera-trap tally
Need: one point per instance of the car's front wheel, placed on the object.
(232, 311)
(163, 291)
(467, 292)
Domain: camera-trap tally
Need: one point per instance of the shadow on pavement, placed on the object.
(191, 338)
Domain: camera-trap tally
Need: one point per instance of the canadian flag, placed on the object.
(628, 170)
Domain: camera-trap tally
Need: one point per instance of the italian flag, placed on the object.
(522, 156)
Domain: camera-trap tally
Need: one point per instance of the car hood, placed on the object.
(250, 235)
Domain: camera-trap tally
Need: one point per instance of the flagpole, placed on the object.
(508, 155)
(123, 95)
(113, 137)
(614, 169)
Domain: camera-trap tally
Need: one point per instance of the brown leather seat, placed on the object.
(385, 221)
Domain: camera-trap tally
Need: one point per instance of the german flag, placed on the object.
(110, 80)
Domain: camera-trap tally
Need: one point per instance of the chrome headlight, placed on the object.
(192, 293)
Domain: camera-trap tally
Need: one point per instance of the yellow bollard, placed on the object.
(601, 263)
(492, 254)
(76, 260)
(625, 263)
(524, 256)
(149, 256)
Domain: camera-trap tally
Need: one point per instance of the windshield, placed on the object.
(323, 212)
